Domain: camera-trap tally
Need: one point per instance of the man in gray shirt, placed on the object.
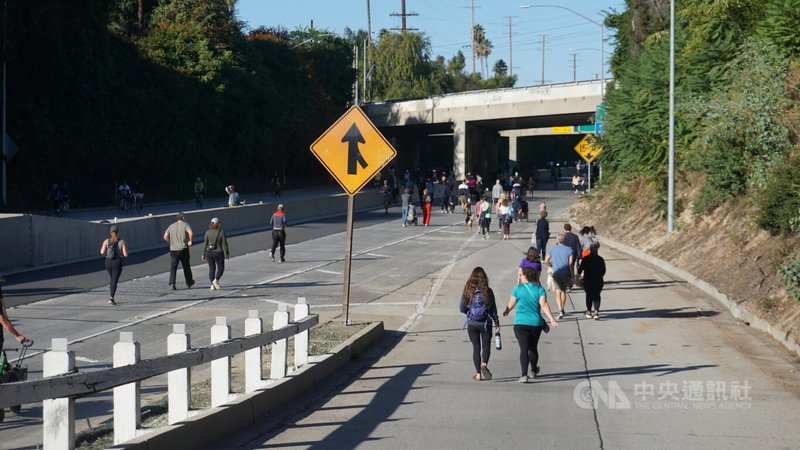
(179, 236)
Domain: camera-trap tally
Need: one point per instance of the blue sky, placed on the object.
(447, 25)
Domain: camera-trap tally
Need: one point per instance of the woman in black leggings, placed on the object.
(115, 251)
(477, 302)
(530, 299)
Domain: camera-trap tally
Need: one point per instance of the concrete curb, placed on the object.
(216, 423)
(779, 334)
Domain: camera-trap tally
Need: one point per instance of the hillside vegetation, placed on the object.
(737, 207)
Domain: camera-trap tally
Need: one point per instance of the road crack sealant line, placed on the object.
(588, 376)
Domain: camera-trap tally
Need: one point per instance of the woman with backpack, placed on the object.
(477, 302)
(530, 299)
(215, 251)
(115, 250)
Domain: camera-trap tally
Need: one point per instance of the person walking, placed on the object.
(478, 303)
(561, 261)
(215, 252)
(386, 190)
(505, 216)
(542, 234)
(497, 191)
(532, 260)
(593, 268)
(179, 236)
(279, 224)
(427, 206)
(115, 250)
(405, 199)
(530, 299)
(484, 212)
(233, 196)
(588, 240)
(572, 241)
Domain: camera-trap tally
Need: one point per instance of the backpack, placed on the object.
(478, 310)
(113, 251)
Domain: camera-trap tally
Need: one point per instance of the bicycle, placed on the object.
(124, 204)
(137, 201)
(198, 199)
(11, 373)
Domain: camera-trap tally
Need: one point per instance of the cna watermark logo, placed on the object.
(692, 394)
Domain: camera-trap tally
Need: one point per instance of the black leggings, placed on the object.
(528, 338)
(278, 239)
(593, 289)
(216, 265)
(481, 338)
(114, 269)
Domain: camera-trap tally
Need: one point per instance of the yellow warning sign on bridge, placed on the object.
(353, 150)
(588, 148)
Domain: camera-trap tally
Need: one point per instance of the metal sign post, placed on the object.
(348, 251)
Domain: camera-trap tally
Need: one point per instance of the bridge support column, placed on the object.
(460, 149)
(301, 311)
(58, 414)
(252, 358)
(127, 399)
(220, 368)
(512, 152)
(280, 349)
(178, 381)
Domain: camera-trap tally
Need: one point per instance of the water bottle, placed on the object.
(498, 343)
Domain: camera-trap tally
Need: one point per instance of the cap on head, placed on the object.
(113, 229)
(215, 220)
(280, 206)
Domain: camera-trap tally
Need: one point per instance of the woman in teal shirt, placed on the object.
(530, 299)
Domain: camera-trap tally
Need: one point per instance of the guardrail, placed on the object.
(61, 385)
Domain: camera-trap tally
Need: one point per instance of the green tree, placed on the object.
(500, 68)
(403, 67)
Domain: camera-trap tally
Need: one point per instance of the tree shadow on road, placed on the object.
(658, 370)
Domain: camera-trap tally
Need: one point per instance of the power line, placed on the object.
(403, 14)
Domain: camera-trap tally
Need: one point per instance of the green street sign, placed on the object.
(585, 128)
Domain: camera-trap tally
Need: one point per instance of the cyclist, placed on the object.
(124, 195)
(54, 196)
(137, 193)
(199, 187)
(6, 323)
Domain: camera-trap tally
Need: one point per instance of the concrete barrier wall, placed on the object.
(31, 241)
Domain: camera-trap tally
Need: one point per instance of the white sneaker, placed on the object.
(523, 379)
(560, 315)
(215, 285)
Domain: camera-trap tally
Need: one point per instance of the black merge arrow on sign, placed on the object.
(353, 137)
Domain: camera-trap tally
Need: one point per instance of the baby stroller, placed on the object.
(10, 373)
(522, 210)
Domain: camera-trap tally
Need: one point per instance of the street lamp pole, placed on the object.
(671, 170)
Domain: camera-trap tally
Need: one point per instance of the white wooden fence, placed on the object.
(62, 384)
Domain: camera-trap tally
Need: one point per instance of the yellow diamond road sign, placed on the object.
(353, 150)
(588, 148)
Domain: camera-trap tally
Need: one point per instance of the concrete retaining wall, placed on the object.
(31, 240)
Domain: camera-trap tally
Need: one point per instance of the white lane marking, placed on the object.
(329, 271)
(378, 255)
(369, 304)
(452, 232)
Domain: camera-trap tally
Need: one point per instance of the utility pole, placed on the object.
(369, 25)
(574, 66)
(510, 50)
(472, 33)
(403, 14)
(543, 43)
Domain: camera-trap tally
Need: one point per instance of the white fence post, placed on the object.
(178, 381)
(58, 414)
(220, 368)
(279, 348)
(252, 358)
(127, 401)
(301, 311)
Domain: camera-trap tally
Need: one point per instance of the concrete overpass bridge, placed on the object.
(487, 131)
